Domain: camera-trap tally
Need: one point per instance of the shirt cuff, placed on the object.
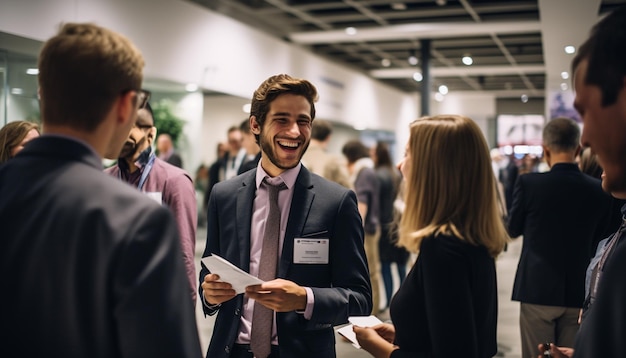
(310, 300)
(208, 305)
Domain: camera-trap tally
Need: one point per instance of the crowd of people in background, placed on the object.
(100, 261)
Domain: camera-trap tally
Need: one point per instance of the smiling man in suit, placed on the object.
(321, 275)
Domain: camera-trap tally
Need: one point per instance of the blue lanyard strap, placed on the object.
(146, 171)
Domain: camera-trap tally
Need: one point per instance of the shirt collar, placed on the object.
(289, 176)
(141, 161)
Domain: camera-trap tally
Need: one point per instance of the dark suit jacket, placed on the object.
(562, 214)
(91, 267)
(341, 288)
(249, 164)
(602, 332)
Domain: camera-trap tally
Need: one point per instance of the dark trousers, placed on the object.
(244, 351)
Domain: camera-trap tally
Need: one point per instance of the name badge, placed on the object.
(310, 251)
(155, 195)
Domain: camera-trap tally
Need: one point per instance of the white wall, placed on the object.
(184, 42)
(220, 113)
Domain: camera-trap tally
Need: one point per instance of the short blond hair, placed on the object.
(450, 185)
(82, 70)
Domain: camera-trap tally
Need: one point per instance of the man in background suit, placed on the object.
(319, 161)
(248, 142)
(167, 153)
(166, 184)
(91, 267)
(562, 215)
(309, 295)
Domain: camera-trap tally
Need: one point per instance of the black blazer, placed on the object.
(341, 288)
(91, 267)
(562, 214)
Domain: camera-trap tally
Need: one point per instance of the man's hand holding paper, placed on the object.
(225, 280)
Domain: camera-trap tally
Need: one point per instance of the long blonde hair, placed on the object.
(450, 186)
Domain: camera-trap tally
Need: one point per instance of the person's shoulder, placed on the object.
(170, 170)
(449, 245)
(322, 184)
(234, 183)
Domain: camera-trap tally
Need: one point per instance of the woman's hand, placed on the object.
(376, 340)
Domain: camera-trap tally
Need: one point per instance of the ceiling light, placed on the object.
(524, 98)
(438, 97)
(385, 62)
(564, 86)
(191, 87)
(399, 6)
(564, 75)
(413, 58)
(32, 71)
(246, 107)
(441, 2)
(443, 89)
(570, 49)
(351, 30)
(17, 91)
(467, 60)
(417, 76)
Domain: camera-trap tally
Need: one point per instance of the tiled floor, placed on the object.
(508, 318)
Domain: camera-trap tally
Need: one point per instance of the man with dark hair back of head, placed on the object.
(365, 184)
(93, 267)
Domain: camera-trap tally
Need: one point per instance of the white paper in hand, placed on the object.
(361, 321)
(230, 273)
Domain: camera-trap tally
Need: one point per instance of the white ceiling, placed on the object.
(517, 45)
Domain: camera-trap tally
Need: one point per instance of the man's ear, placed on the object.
(152, 134)
(255, 128)
(546, 155)
(126, 107)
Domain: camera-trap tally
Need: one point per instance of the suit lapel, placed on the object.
(245, 200)
(303, 195)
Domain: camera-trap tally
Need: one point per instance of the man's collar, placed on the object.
(141, 161)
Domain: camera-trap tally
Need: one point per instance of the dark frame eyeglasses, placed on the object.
(142, 98)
